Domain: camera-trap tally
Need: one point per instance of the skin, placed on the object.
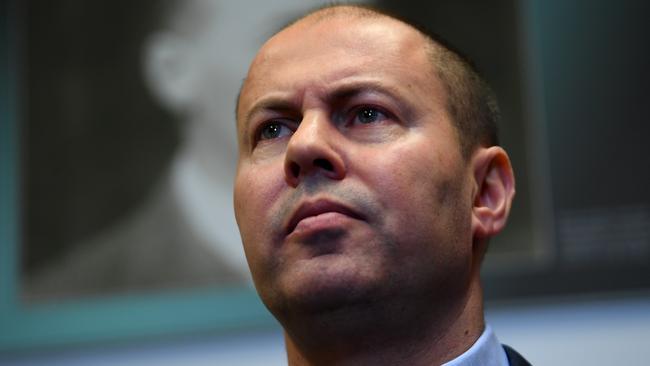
(384, 268)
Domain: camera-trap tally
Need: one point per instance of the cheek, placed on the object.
(422, 193)
(256, 190)
(405, 181)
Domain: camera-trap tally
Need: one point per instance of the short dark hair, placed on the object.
(471, 102)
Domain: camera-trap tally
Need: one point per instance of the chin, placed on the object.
(328, 283)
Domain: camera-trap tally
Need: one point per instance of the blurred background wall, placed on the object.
(567, 333)
(567, 283)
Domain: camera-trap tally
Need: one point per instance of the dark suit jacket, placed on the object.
(515, 358)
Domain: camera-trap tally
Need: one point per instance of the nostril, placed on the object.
(295, 169)
(324, 164)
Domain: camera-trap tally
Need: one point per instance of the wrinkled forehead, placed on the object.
(348, 42)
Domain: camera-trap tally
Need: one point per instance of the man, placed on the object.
(368, 185)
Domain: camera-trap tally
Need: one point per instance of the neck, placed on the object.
(419, 340)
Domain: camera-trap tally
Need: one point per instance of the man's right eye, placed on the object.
(274, 130)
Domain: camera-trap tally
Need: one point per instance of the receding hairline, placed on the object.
(356, 11)
(331, 11)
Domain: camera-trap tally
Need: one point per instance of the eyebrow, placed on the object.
(349, 90)
(352, 89)
(273, 102)
(276, 103)
(346, 90)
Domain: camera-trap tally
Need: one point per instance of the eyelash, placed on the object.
(274, 122)
(380, 114)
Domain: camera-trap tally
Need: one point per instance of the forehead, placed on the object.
(319, 53)
(341, 32)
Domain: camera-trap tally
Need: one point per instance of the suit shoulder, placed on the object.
(514, 358)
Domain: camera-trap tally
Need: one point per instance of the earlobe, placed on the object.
(168, 70)
(494, 191)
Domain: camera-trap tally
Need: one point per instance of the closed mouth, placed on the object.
(315, 208)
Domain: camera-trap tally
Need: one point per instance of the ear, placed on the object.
(493, 193)
(170, 70)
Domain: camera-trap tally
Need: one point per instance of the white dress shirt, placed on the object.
(486, 351)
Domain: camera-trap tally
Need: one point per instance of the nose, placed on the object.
(314, 149)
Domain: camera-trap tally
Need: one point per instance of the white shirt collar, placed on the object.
(486, 351)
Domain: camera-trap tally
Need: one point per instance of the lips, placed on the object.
(315, 208)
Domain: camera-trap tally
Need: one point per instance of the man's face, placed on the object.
(351, 187)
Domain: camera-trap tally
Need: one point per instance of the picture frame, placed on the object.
(543, 269)
(115, 317)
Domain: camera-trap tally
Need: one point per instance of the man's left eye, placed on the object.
(368, 115)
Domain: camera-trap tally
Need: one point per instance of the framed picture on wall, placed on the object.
(118, 141)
